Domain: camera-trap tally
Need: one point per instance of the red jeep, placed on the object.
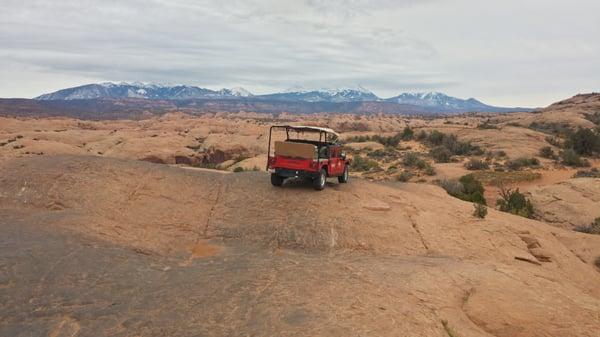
(307, 157)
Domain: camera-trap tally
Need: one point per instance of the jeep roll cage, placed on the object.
(326, 136)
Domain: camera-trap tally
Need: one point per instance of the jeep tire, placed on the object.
(320, 180)
(276, 179)
(344, 177)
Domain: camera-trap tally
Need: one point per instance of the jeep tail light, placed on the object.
(314, 164)
(271, 161)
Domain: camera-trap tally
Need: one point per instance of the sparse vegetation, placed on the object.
(520, 163)
(557, 129)
(486, 125)
(407, 134)
(441, 154)
(593, 117)
(429, 170)
(476, 164)
(514, 202)
(584, 142)
(571, 158)
(360, 164)
(387, 153)
(480, 211)
(391, 141)
(505, 177)
(548, 153)
(593, 173)
(404, 176)
(467, 188)
(444, 146)
(593, 228)
(554, 141)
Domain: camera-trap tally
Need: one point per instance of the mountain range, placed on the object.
(432, 102)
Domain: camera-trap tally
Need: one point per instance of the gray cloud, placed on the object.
(499, 54)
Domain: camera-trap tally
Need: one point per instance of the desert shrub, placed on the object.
(554, 141)
(467, 188)
(547, 152)
(238, 169)
(559, 129)
(429, 170)
(593, 117)
(593, 173)
(407, 133)
(392, 168)
(390, 141)
(571, 158)
(441, 154)
(411, 159)
(361, 164)
(480, 211)
(421, 136)
(486, 125)
(513, 201)
(382, 153)
(477, 164)
(593, 228)
(584, 142)
(444, 146)
(404, 176)
(519, 163)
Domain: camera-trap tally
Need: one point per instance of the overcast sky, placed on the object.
(510, 52)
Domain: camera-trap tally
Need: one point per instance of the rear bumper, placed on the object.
(290, 173)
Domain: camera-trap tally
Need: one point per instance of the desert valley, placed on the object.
(159, 222)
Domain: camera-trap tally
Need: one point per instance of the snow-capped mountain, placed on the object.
(325, 98)
(337, 95)
(142, 90)
(441, 102)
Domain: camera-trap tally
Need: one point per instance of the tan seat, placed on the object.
(295, 150)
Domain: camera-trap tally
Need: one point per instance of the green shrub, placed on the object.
(407, 133)
(404, 176)
(571, 158)
(519, 163)
(360, 164)
(547, 152)
(467, 188)
(584, 141)
(441, 154)
(513, 201)
(593, 228)
(480, 211)
(238, 169)
(429, 170)
(476, 164)
(410, 159)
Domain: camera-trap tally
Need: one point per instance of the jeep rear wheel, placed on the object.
(320, 180)
(344, 177)
(276, 179)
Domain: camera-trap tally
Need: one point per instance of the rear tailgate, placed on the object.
(293, 163)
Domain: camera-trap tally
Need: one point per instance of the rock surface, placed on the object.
(97, 246)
